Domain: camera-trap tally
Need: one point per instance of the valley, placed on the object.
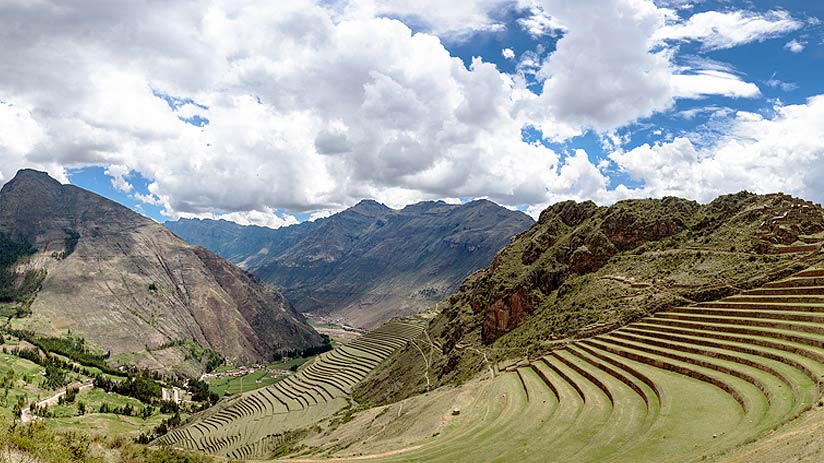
(600, 333)
(368, 263)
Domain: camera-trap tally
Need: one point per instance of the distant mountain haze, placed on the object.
(368, 263)
(128, 285)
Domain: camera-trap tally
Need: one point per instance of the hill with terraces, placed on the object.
(129, 286)
(703, 381)
(584, 270)
(649, 328)
(699, 382)
(369, 263)
(258, 423)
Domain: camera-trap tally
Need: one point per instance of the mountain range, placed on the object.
(128, 285)
(368, 263)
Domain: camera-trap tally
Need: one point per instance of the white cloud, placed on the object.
(785, 153)
(619, 81)
(508, 53)
(118, 174)
(20, 134)
(307, 110)
(313, 106)
(703, 83)
(265, 218)
(20, 131)
(539, 23)
(780, 84)
(719, 30)
(795, 46)
(455, 20)
(627, 74)
(321, 215)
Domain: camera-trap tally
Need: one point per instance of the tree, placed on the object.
(55, 377)
(81, 408)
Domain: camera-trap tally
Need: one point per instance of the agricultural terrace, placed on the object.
(252, 425)
(689, 383)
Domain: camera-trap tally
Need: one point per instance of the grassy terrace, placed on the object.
(260, 378)
(253, 424)
(687, 384)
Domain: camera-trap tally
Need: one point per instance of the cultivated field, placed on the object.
(690, 383)
(253, 424)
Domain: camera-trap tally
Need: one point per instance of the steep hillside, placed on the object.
(725, 380)
(128, 285)
(368, 263)
(584, 269)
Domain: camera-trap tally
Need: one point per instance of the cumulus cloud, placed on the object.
(795, 46)
(307, 110)
(250, 108)
(508, 53)
(619, 81)
(538, 23)
(264, 218)
(719, 30)
(455, 20)
(784, 153)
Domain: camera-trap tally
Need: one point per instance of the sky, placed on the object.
(273, 113)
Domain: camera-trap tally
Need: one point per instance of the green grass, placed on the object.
(713, 391)
(289, 364)
(313, 394)
(324, 325)
(250, 382)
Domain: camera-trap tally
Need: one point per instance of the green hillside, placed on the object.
(584, 270)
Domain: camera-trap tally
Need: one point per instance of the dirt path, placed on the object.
(25, 414)
(364, 457)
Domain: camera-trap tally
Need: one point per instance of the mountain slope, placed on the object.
(128, 285)
(368, 263)
(584, 269)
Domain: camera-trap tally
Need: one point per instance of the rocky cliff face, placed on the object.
(130, 286)
(583, 269)
(368, 263)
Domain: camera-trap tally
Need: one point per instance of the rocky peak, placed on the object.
(369, 207)
(570, 212)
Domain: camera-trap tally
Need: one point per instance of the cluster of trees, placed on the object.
(73, 347)
(10, 252)
(200, 392)
(69, 397)
(56, 368)
(127, 410)
(72, 237)
(42, 443)
(6, 383)
(308, 352)
(141, 388)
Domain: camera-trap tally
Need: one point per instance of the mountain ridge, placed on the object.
(128, 285)
(368, 263)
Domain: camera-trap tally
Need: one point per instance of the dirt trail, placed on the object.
(363, 457)
(25, 414)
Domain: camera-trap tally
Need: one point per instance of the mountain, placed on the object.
(128, 285)
(584, 269)
(368, 263)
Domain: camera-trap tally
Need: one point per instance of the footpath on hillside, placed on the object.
(25, 414)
